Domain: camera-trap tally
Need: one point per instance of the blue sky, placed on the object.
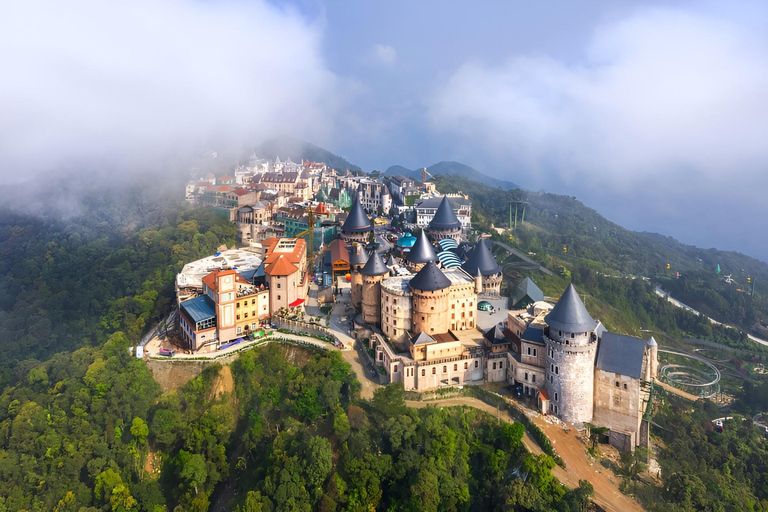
(653, 113)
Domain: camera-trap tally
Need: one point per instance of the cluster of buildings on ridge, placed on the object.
(272, 199)
(419, 308)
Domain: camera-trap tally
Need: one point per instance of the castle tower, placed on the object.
(358, 257)
(445, 224)
(225, 303)
(481, 261)
(571, 345)
(478, 282)
(421, 253)
(652, 359)
(430, 290)
(373, 272)
(358, 226)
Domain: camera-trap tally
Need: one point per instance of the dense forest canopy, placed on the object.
(70, 281)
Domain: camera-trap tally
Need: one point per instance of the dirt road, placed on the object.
(570, 448)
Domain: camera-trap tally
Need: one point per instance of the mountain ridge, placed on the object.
(285, 146)
(452, 168)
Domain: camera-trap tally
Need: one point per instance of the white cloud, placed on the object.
(663, 95)
(87, 78)
(384, 54)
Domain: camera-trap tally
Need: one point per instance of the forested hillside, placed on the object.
(597, 247)
(89, 431)
(71, 280)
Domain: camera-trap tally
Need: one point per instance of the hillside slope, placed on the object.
(595, 245)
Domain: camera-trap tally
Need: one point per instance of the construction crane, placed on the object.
(310, 239)
(424, 174)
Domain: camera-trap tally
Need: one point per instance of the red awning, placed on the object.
(297, 302)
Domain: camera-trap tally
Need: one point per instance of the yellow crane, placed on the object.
(310, 239)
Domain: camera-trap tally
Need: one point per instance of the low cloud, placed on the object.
(384, 54)
(93, 80)
(662, 92)
(663, 105)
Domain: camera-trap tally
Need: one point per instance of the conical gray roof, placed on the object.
(481, 259)
(569, 314)
(375, 266)
(430, 279)
(496, 334)
(445, 218)
(391, 261)
(422, 251)
(357, 221)
(357, 255)
(652, 342)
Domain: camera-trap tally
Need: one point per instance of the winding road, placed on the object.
(568, 446)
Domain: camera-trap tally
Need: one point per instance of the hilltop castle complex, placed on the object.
(424, 333)
(418, 307)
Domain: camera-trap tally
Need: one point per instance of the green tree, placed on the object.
(191, 469)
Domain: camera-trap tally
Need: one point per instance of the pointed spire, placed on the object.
(422, 251)
(652, 342)
(481, 259)
(357, 220)
(445, 218)
(429, 279)
(569, 314)
(375, 266)
(357, 255)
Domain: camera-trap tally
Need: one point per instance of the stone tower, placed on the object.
(571, 345)
(478, 282)
(430, 290)
(445, 224)
(421, 252)
(482, 262)
(373, 272)
(652, 359)
(358, 226)
(358, 257)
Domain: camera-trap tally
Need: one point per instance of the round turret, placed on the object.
(358, 258)
(358, 226)
(373, 272)
(430, 289)
(571, 347)
(652, 361)
(445, 224)
(482, 262)
(421, 253)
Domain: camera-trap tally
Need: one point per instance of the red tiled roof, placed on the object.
(210, 280)
(281, 267)
(543, 394)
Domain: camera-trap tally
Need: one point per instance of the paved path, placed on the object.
(672, 300)
(569, 447)
(246, 345)
(523, 257)
(678, 392)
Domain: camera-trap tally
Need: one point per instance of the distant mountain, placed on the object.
(399, 170)
(289, 147)
(451, 169)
